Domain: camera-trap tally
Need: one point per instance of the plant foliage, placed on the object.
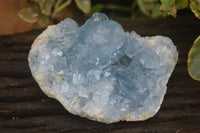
(43, 10)
(194, 60)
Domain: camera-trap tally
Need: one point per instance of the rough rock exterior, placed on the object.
(101, 72)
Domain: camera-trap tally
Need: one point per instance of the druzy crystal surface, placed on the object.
(101, 72)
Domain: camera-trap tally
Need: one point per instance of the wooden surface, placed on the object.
(25, 109)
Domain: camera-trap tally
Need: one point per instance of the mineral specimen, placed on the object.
(101, 72)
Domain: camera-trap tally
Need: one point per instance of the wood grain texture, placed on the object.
(24, 108)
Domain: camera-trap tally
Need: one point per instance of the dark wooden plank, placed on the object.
(20, 39)
(13, 56)
(21, 94)
(14, 82)
(24, 108)
(50, 123)
(14, 69)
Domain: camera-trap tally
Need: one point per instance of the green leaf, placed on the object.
(195, 7)
(150, 7)
(136, 12)
(181, 4)
(167, 2)
(194, 60)
(46, 6)
(35, 1)
(59, 6)
(28, 15)
(58, 3)
(84, 5)
(168, 10)
(95, 8)
(44, 20)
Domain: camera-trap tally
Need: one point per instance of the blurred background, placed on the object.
(17, 16)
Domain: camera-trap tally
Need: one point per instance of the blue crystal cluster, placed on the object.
(101, 72)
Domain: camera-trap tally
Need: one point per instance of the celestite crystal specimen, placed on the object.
(101, 72)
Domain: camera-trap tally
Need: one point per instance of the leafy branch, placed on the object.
(43, 10)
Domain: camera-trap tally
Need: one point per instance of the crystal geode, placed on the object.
(101, 72)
